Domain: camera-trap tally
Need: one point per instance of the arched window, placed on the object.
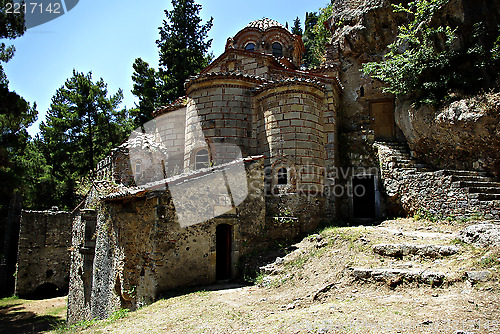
(250, 47)
(277, 50)
(282, 176)
(201, 159)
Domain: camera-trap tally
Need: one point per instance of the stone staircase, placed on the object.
(483, 189)
(406, 272)
(480, 185)
(402, 156)
(401, 271)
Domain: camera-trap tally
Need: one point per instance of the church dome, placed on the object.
(264, 24)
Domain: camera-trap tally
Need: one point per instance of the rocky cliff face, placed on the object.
(463, 135)
(466, 133)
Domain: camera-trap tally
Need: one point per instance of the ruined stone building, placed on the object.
(259, 149)
(44, 256)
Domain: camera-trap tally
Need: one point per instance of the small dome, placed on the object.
(264, 24)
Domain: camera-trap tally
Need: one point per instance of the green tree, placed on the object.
(16, 115)
(11, 27)
(183, 51)
(297, 29)
(309, 37)
(183, 47)
(82, 125)
(427, 61)
(145, 87)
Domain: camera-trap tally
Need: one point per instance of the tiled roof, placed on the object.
(238, 75)
(143, 190)
(144, 141)
(292, 80)
(264, 24)
(177, 104)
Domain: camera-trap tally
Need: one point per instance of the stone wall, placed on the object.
(82, 266)
(291, 130)
(170, 131)
(44, 256)
(144, 248)
(220, 116)
(141, 159)
(432, 193)
(243, 62)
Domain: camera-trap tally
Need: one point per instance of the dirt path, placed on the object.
(31, 316)
(312, 290)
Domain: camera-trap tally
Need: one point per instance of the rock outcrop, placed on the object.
(481, 235)
(463, 135)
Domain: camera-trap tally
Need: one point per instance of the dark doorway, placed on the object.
(223, 251)
(47, 290)
(363, 197)
(382, 114)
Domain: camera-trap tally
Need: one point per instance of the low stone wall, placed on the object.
(434, 192)
(43, 257)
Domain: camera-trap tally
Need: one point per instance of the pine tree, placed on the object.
(310, 37)
(183, 47)
(83, 124)
(183, 51)
(146, 89)
(297, 29)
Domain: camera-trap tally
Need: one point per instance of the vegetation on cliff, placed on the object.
(435, 55)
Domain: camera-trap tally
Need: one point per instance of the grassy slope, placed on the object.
(312, 292)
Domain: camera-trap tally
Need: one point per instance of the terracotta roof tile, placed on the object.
(264, 24)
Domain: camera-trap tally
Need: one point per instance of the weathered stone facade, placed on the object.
(44, 253)
(440, 194)
(258, 150)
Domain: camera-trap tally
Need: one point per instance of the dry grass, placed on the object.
(315, 294)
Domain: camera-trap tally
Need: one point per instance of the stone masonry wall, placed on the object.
(291, 129)
(82, 263)
(43, 258)
(170, 132)
(143, 250)
(220, 116)
(236, 62)
(433, 193)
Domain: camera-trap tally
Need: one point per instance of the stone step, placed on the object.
(405, 164)
(491, 204)
(485, 197)
(400, 250)
(464, 172)
(407, 160)
(394, 277)
(401, 156)
(472, 178)
(475, 184)
(485, 190)
(399, 148)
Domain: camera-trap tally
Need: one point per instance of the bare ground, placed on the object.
(31, 316)
(312, 291)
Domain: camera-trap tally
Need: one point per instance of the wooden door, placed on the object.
(382, 114)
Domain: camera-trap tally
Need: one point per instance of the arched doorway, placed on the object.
(223, 244)
(47, 290)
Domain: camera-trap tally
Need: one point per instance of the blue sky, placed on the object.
(106, 36)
